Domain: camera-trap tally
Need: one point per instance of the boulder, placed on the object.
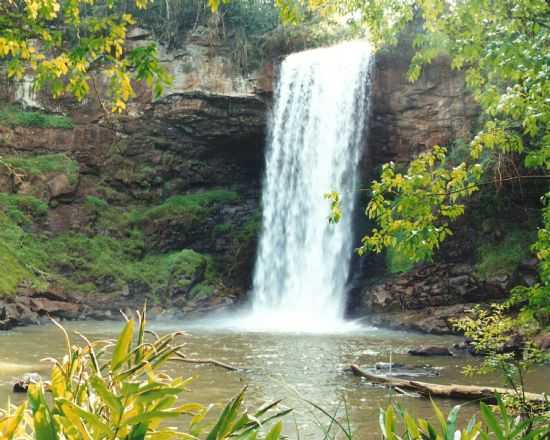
(62, 309)
(22, 384)
(430, 350)
(60, 185)
(542, 341)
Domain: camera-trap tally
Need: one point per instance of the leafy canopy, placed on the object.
(60, 43)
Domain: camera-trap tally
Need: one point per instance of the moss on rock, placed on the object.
(13, 116)
(42, 164)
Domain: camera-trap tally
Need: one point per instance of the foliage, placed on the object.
(115, 390)
(505, 256)
(397, 423)
(396, 262)
(491, 332)
(15, 117)
(538, 296)
(62, 43)
(413, 209)
(41, 164)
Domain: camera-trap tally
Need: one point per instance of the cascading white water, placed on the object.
(317, 133)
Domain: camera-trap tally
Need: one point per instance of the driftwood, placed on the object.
(206, 361)
(453, 391)
(181, 357)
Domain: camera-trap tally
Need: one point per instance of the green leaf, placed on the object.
(113, 402)
(491, 421)
(275, 433)
(44, 428)
(123, 345)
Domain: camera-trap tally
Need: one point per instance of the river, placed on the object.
(292, 367)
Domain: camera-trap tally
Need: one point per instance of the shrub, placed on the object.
(396, 423)
(96, 202)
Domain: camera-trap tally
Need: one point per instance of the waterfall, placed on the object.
(25, 93)
(317, 132)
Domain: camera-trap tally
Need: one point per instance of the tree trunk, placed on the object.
(453, 391)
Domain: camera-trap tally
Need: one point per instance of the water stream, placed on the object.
(289, 366)
(316, 140)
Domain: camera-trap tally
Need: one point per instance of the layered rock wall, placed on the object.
(176, 182)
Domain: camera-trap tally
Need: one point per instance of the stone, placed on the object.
(22, 385)
(402, 370)
(542, 341)
(530, 264)
(430, 350)
(59, 308)
(59, 185)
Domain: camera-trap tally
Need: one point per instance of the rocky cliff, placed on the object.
(162, 204)
(101, 213)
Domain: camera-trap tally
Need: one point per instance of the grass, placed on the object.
(37, 165)
(504, 257)
(196, 204)
(12, 271)
(22, 209)
(96, 202)
(13, 116)
(85, 262)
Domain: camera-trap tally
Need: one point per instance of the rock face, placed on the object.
(428, 298)
(409, 117)
(174, 177)
(146, 181)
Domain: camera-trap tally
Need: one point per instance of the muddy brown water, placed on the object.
(292, 367)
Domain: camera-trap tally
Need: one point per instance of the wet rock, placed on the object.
(22, 385)
(530, 264)
(401, 370)
(59, 308)
(436, 285)
(60, 185)
(430, 350)
(542, 341)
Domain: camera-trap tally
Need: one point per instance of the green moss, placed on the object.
(90, 262)
(201, 291)
(12, 272)
(504, 257)
(96, 203)
(45, 163)
(397, 262)
(196, 205)
(13, 116)
(222, 229)
(22, 209)
(251, 228)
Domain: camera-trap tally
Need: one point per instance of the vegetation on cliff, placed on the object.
(112, 253)
(12, 116)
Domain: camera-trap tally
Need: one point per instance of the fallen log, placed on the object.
(453, 391)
